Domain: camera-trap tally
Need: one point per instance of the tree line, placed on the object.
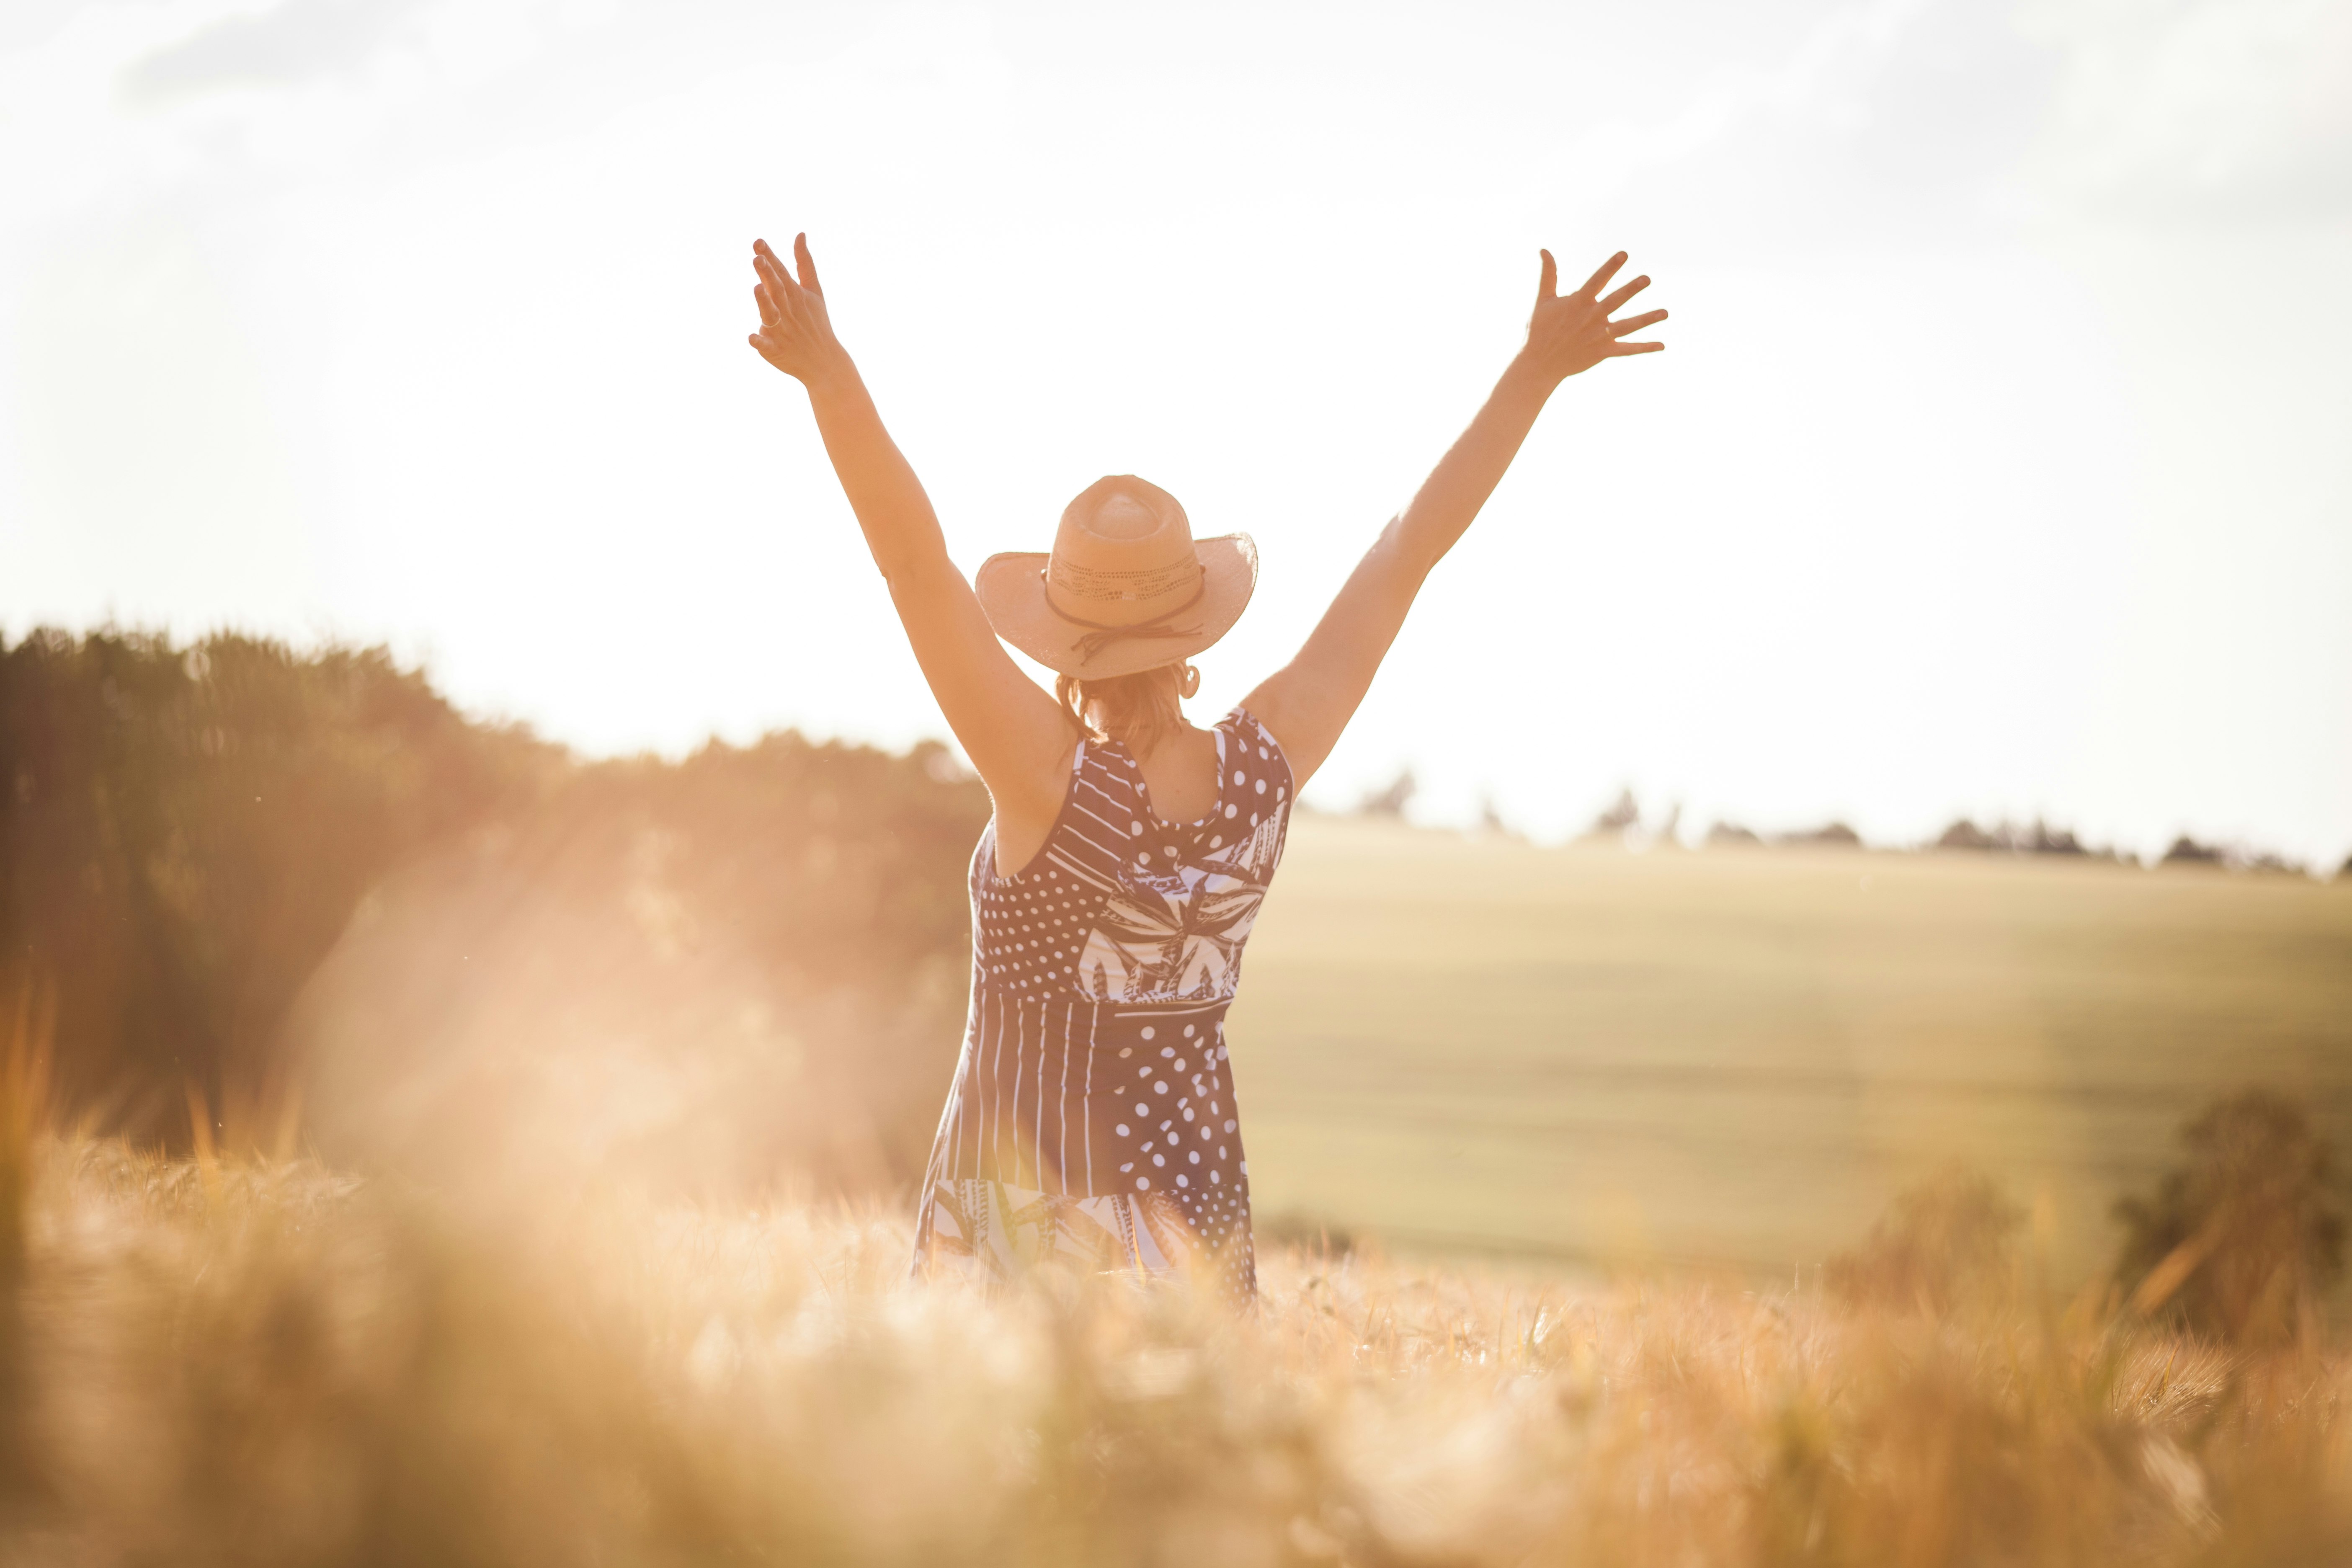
(186, 831)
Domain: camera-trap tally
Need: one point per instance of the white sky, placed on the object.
(1998, 464)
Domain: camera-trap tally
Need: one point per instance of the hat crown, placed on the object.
(1123, 569)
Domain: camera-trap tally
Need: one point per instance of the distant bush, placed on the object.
(1391, 799)
(2266, 860)
(1966, 835)
(1732, 833)
(2037, 837)
(1945, 1242)
(1617, 819)
(1832, 834)
(2188, 851)
(2243, 1240)
(1491, 821)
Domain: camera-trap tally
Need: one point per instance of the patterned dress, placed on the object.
(1092, 1119)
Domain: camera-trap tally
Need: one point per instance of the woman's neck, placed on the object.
(1180, 772)
(1177, 736)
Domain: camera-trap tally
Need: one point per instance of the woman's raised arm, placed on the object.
(1309, 701)
(1013, 733)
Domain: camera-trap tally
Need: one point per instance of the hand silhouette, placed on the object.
(1572, 332)
(795, 334)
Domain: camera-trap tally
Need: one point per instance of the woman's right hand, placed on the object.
(795, 334)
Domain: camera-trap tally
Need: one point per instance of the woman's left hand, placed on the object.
(1572, 332)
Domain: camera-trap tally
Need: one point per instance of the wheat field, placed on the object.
(1733, 1056)
(249, 1362)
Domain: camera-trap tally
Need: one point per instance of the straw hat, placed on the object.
(1115, 597)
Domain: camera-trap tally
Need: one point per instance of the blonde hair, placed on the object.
(1137, 710)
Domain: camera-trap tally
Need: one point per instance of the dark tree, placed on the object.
(2242, 1240)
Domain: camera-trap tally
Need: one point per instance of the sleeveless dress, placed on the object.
(1092, 1120)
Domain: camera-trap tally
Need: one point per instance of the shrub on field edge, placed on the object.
(2243, 1240)
(1945, 1242)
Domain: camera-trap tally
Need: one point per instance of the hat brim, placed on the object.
(1012, 589)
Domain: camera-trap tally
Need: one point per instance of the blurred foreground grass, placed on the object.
(263, 1364)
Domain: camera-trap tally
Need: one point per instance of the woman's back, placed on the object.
(1093, 1113)
(1122, 905)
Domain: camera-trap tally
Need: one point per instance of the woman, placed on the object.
(1092, 1119)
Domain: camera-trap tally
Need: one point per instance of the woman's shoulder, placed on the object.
(1248, 731)
(1101, 786)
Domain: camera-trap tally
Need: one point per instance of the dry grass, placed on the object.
(268, 1364)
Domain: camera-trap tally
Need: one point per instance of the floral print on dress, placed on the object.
(1175, 927)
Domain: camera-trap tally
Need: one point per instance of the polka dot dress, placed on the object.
(1093, 1115)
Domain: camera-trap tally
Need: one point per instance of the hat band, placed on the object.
(1077, 581)
(1100, 637)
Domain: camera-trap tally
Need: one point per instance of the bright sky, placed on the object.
(1999, 463)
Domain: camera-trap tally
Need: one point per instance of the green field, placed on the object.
(1736, 1055)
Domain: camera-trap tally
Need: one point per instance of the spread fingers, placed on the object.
(1600, 280)
(1616, 302)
